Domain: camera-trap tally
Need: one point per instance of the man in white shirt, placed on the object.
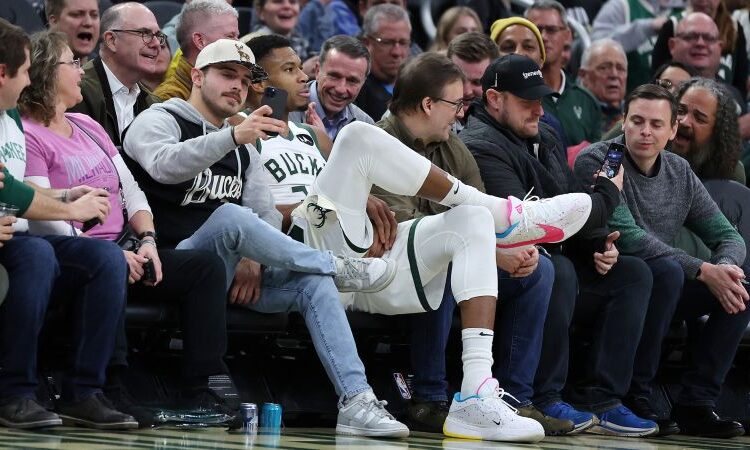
(112, 95)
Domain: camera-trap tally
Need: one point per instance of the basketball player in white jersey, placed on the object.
(332, 215)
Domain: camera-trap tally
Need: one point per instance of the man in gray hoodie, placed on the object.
(203, 179)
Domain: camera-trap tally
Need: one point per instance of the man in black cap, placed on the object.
(515, 154)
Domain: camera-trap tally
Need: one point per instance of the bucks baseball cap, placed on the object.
(225, 51)
(516, 74)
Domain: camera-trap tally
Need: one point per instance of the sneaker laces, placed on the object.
(352, 268)
(524, 220)
(499, 394)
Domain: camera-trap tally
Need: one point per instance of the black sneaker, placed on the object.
(26, 413)
(95, 412)
(218, 394)
(121, 399)
(427, 416)
(703, 421)
(642, 408)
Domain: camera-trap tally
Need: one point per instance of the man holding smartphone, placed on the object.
(516, 153)
(662, 194)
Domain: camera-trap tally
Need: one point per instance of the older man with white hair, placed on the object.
(604, 72)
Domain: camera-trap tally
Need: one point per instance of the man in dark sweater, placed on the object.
(661, 195)
(516, 154)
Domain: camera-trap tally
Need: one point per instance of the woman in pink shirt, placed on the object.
(65, 150)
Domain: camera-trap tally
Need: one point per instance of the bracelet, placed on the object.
(148, 242)
(64, 196)
(145, 234)
(234, 139)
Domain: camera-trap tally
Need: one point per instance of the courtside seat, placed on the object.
(165, 314)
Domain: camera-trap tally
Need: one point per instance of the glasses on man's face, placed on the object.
(146, 35)
(391, 43)
(76, 63)
(459, 105)
(549, 29)
(693, 38)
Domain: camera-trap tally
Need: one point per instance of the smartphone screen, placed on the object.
(613, 160)
(276, 99)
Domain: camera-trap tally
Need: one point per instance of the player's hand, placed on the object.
(246, 284)
(257, 125)
(383, 221)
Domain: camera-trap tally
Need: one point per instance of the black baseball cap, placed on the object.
(516, 74)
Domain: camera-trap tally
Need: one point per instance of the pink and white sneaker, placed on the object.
(550, 220)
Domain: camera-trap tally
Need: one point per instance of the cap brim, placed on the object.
(247, 64)
(535, 92)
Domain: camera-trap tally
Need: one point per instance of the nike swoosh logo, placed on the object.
(481, 333)
(551, 234)
(454, 192)
(496, 423)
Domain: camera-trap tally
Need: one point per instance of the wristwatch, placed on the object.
(145, 234)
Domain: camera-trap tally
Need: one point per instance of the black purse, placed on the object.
(127, 240)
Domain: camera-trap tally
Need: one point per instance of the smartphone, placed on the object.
(613, 160)
(276, 99)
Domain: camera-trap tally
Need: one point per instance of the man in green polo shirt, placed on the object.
(577, 108)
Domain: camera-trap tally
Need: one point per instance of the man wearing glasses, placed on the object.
(112, 93)
(387, 36)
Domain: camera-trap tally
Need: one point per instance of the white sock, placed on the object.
(477, 359)
(463, 194)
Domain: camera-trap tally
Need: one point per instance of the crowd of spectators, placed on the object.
(145, 162)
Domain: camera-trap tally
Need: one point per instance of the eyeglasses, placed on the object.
(146, 35)
(459, 105)
(694, 37)
(549, 29)
(391, 43)
(76, 63)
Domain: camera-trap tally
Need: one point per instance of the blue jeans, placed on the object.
(89, 276)
(522, 308)
(296, 278)
(519, 329)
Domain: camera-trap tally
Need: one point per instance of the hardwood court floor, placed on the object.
(305, 438)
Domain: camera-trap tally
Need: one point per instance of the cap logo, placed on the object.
(244, 57)
(526, 75)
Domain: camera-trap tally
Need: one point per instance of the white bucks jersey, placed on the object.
(291, 163)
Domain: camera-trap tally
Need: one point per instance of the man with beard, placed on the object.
(111, 89)
(660, 195)
(343, 67)
(707, 131)
(79, 20)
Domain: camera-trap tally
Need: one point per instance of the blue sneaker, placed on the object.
(581, 420)
(620, 421)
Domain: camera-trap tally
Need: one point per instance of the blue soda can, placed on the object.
(249, 415)
(270, 417)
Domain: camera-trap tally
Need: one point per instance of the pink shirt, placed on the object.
(77, 160)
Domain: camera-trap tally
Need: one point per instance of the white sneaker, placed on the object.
(363, 274)
(549, 220)
(490, 418)
(365, 415)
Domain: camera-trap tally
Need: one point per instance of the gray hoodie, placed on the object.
(153, 141)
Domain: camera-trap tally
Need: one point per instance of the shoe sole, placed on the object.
(71, 421)
(28, 425)
(390, 274)
(618, 431)
(585, 426)
(348, 430)
(734, 433)
(453, 428)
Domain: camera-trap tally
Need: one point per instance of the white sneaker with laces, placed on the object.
(365, 415)
(490, 418)
(549, 220)
(363, 274)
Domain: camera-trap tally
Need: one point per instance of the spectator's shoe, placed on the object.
(533, 221)
(489, 418)
(95, 412)
(26, 413)
(581, 420)
(427, 416)
(218, 394)
(116, 392)
(703, 421)
(642, 408)
(365, 415)
(363, 274)
(552, 426)
(620, 421)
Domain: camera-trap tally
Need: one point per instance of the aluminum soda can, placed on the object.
(249, 415)
(270, 417)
